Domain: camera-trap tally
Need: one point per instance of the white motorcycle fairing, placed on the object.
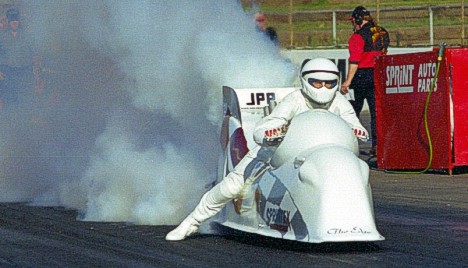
(316, 190)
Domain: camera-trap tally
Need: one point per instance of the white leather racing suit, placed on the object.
(291, 105)
(294, 104)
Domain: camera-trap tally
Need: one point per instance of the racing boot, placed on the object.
(186, 228)
(210, 204)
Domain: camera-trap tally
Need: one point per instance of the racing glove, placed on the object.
(275, 136)
(361, 134)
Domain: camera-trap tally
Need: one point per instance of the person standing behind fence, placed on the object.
(368, 41)
(262, 26)
(19, 62)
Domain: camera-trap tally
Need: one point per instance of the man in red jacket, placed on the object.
(368, 41)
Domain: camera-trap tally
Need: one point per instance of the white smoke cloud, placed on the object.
(130, 115)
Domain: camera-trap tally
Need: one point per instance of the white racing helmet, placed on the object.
(320, 80)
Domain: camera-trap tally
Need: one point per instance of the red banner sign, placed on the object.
(403, 86)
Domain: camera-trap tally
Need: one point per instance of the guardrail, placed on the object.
(408, 26)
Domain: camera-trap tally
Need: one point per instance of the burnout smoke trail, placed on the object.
(132, 105)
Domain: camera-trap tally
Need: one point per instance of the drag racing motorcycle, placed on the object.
(315, 189)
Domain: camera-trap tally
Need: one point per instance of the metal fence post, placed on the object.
(462, 22)
(431, 26)
(334, 29)
(291, 33)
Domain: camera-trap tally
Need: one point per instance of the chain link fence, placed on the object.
(408, 26)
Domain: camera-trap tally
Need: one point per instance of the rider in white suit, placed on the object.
(320, 81)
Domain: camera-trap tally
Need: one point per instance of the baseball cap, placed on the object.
(359, 12)
(12, 14)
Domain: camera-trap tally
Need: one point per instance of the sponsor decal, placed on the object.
(278, 219)
(340, 231)
(260, 98)
(426, 74)
(400, 78)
